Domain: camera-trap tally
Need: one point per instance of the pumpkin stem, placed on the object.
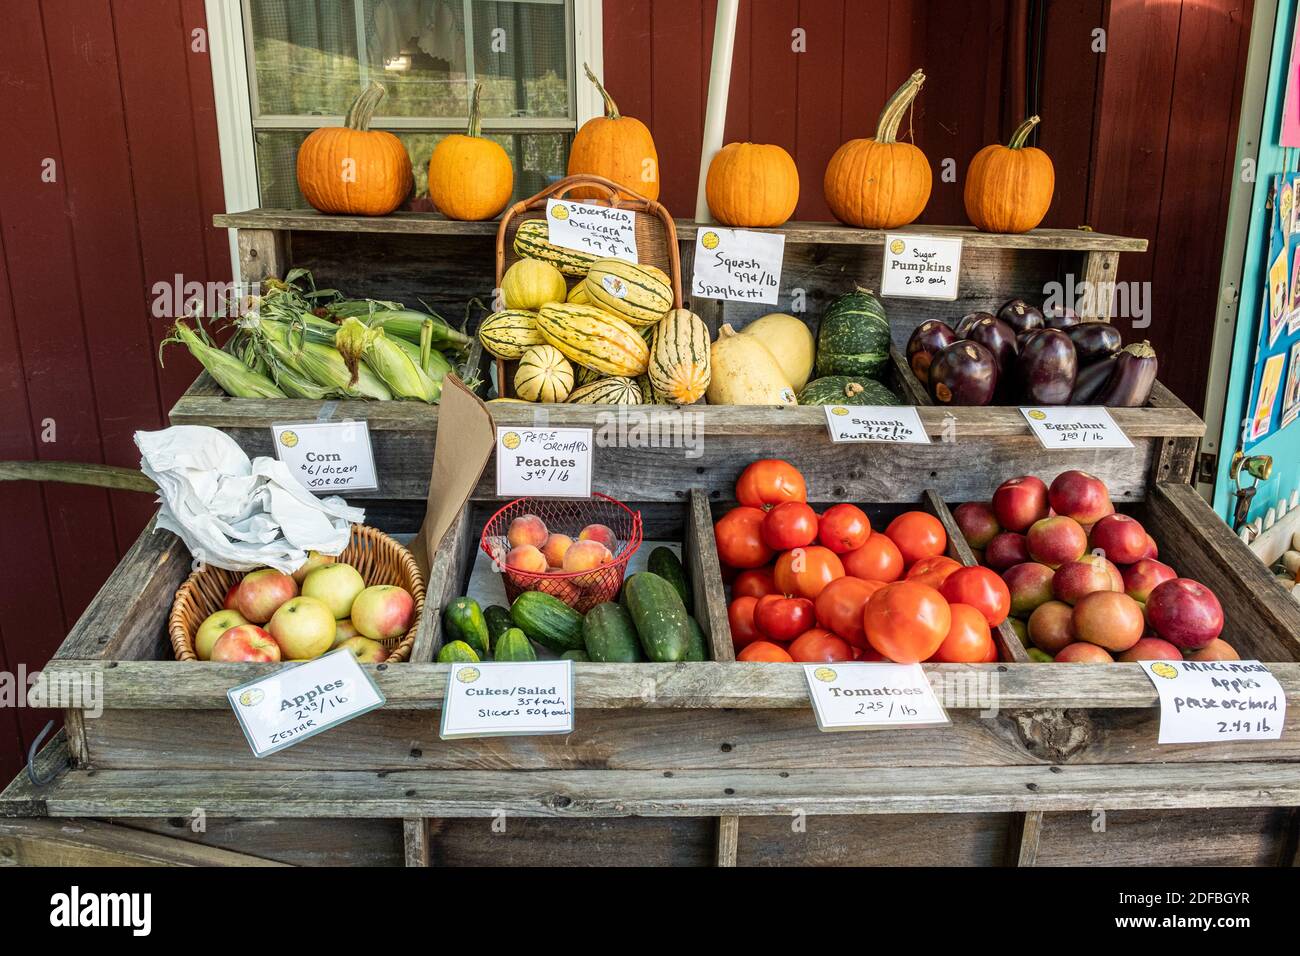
(363, 107)
(892, 114)
(1022, 132)
(475, 119)
(611, 108)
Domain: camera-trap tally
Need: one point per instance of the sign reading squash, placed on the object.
(601, 230)
(737, 264)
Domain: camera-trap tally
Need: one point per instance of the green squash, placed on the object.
(853, 338)
(846, 390)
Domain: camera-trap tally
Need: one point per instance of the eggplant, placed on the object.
(1048, 367)
(964, 373)
(1021, 316)
(1131, 381)
(927, 339)
(1094, 340)
(966, 321)
(999, 338)
(1090, 380)
(1060, 317)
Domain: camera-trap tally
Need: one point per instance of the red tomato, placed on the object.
(803, 572)
(906, 621)
(918, 535)
(820, 646)
(754, 583)
(740, 538)
(968, 640)
(740, 615)
(791, 524)
(765, 651)
(870, 655)
(844, 528)
(933, 571)
(877, 560)
(840, 606)
(783, 618)
(992, 656)
(983, 590)
(768, 482)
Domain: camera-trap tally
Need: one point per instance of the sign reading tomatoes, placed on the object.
(849, 696)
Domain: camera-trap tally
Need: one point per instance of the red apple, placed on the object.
(1216, 650)
(344, 631)
(262, 592)
(979, 525)
(1082, 652)
(1005, 550)
(1056, 541)
(1109, 619)
(1081, 496)
(365, 650)
(304, 628)
(1051, 626)
(1123, 539)
(1030, 585)
(1153, 550)
(527, 530)
(232, 593)
(1151, 649)
(1185, 613)
(247, 643)
(1090, 573)
(1019, 502)
(383, 611)
(1143, 575)
(213, 626)
(314, 560)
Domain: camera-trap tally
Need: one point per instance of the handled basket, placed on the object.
(656, 237)
(581, 590)
(377, 557)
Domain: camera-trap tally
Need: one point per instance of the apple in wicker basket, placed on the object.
(344, 630)
(213, 626)
(383, 611)
(365, 650)
(314, 560)
(303, 627)
(262, 592)
(337, 585)
(247, 644)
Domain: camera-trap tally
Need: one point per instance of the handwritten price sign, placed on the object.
(1075, 426)
(546, 462)
(327, 456)
(738, 265)
(600, 230)
(921, 267)
(1209, 701)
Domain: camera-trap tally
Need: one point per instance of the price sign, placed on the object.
(508, 700)
(302, 700)
(864, 696)
(738, 265)
(547, 462)
(1209, 701)
(1075, 426)
(327, 456)
(875, 423)
(601, 230)
(921, 267)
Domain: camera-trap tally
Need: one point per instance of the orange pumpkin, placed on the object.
(750, 184)
(618, 147)
(353, 169)
(470, 178)
(880, 183)
(1009, 188)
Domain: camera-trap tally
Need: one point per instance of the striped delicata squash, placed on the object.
(594, 338)
(633, 292)
(544, 375)
(679, 358)
(532, 240)
(615, 390)
(508, 333)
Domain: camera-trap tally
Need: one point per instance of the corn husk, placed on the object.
(228, 371)
(317, 363)
(402, 323)
(398, 369)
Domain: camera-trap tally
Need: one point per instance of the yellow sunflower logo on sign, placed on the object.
(839, 410)
(252, 697)
(710, 240)
(897, 247)
(1037, 414)
(1167, 671)
(510, 440)
(288, 438)
(560, 212)
(825, 674)
(468, 675)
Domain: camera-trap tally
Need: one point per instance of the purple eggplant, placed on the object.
(1021, 316)
(1060, 317)
(1131, 381)
(926, 341)
(1091, 380)
(964, 373)
(1094, 340)
(999, 338)
(966, 321)
(1048, 367)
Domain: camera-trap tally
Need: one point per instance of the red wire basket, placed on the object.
(580, 589)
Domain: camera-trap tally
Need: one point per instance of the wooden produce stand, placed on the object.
(691, 763)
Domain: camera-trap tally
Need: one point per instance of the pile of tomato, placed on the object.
(813, 587)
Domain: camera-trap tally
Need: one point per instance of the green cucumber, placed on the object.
(462, 620)
(514, 645)
(498, 621)
(609, 635)
(574, 656)
(699, 650)
(548, 621)
(665, 563)
(659, 616)
(457, 652)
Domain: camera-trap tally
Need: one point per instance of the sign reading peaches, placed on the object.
(544, 462)
(1209, 701)
(1075, 426)
(302, 700)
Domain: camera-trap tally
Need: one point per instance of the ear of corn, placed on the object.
(236, 378)
(397, 368)
(402, 323)
(318, 363)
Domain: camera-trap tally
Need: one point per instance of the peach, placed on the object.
(600, 533)
(1109, 619)
(1083, 653)
(527, 530)
(1019, 502)
(1081, 496)
(1143, 575)
(1056, 541)
(554, 549)
(526, 558)
(587, 554)
(1123, 539)
(1074, 579)
(1030, 585)
(262, 592)
(978, 524)
(561, 588)
(1216, 650)
(1005, 550)
(1051, 626)
(1151, 649)
(1184, 612)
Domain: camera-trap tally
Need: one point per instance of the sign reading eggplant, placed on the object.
(1075, 426)
(601, 230)
(921, 267)
(738, 265)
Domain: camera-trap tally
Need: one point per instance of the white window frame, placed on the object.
(229, 50)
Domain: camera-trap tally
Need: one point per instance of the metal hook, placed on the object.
(31, 757)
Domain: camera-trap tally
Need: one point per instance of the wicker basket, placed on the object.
(656, 238)
(377, 557)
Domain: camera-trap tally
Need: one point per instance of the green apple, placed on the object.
(336, 585)
(213, 626)
(383, 611)
(365, 650)
(303, 627)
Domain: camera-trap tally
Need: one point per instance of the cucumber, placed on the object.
(699, 650)
(457, 652)
(665, 563)
(548, 621)
(462, 620)
(574, 656)
(514, 645)
(659, 616)
(498, 622)
(610, 638)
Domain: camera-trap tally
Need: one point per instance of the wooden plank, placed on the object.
(447, 576)
(1026, 836)
(706, 578)
(293, 842)
(905, 839)
(1107, 836)
(728, 837)
(415, 839)
(573, 842)
(22, 798)
(1099, 271)
(82, 843)
(263, 254)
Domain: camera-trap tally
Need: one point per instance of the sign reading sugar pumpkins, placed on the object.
(738, 265)
(600, 230)
(921, 267)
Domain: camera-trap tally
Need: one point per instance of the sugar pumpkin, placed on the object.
(353, 169)
(1009, 188)
(470, 178)
(880, 183)
(615, 146)
(752, 184)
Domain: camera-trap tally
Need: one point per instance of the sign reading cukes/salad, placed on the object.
(1075, 426)
(543, 462)
(921, 267)
(327, 456)
(865, 696)
(508, 700)
(738, 265)
(1210, 701)
(601, 230)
